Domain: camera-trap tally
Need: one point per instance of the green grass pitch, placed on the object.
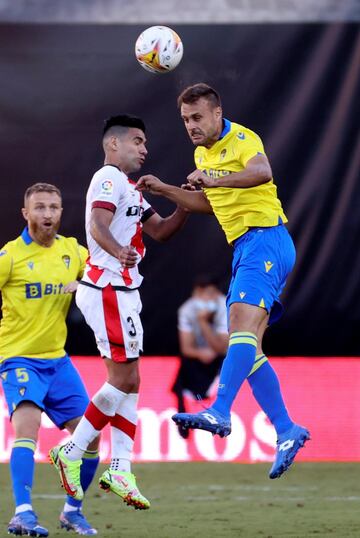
(208, 500)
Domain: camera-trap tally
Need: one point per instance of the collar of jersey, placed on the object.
(226, 129)
(26, 236)
(129, 180)
(114, 165)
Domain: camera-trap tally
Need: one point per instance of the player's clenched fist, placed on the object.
(188, 187)
(150, 183)
(128, 257)
(199, 178)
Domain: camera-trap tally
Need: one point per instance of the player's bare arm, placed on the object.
(100, 230)
(193, 201)
(256, 172)
(161, 229)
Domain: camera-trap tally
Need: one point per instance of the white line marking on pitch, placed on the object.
(247, 487)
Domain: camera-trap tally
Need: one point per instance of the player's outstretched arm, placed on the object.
(161, 229)
(256, 172)
(193, 201)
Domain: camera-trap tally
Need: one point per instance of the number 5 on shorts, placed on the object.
(21, 375)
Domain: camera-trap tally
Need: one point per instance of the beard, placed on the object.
(44, 234)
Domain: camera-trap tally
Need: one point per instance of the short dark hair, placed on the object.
(123, 120)
(192, 94)
(41, 187)
(205, 280)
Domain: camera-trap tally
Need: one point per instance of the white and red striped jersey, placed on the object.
(111, 189)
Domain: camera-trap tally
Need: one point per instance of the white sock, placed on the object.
(106, 401)
(23, 508)
(121, 443)
(70, 508)
(72, 451)
(119, 464)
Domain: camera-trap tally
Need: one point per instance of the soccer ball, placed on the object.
(158, 49)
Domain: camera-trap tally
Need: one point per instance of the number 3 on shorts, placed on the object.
(132, 331)
(21, 375)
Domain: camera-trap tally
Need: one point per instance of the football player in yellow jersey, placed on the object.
(235, 183)
(38, 273)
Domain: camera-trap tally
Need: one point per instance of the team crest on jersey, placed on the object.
(222, 154)
(107, 187)
(241, 136)
(66, 260)
(133, 346)
(3, 252)
(30, 265)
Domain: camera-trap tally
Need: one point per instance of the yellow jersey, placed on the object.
(34, 307)
(238, 209)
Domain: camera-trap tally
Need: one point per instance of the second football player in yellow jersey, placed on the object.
(38, 273)
(33, 283)
(236, 184)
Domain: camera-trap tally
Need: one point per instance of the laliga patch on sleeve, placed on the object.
(3, 252)
(107, 187)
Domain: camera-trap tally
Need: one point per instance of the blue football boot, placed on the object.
(76, 521)
(209, 419)
(26, 523)
(287, 446)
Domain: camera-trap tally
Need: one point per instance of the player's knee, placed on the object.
(244, 317)
(125, 376)
(28, 431)
(135, 385)
(26, 421)
(131, 383)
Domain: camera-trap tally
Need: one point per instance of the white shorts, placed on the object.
(114, 317)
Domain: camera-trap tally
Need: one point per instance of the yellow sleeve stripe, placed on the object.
(259, 361)
(25, 443)
(91, 454)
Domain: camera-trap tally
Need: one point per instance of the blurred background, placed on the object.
(288, 70)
